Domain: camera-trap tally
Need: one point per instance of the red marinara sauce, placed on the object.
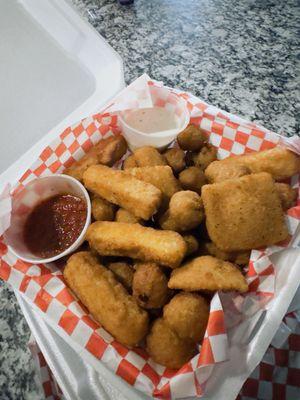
(54, 225)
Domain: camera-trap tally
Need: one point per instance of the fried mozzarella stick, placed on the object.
(140, 198)
(160, 176)
(106, 152)
(136, 241)
(279, 162)
(106, 299)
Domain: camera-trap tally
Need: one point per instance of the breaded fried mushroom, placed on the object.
(189, 159)
(187, 315)
(192, 138)
(150, 285)
(206, 155)
(123, 215)
(123, 272)
(166, 347)
(192, 244)
(106, 152)
(185, 212)
(288, 195)
(208, 273)
(176, 159)
(192, 178)
(102, 210)
(113, 151)
(148, 156)
(130, 162)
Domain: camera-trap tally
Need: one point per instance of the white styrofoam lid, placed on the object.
(53, 65)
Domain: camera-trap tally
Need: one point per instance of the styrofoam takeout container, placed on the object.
(78, 373)
(24, 201)
(47, 27)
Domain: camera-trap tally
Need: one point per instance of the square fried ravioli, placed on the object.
(244, 213)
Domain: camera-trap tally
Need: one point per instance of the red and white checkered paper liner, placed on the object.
(49, 385)
(44, 286)
(277, 377)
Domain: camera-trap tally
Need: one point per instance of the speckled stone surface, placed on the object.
(238, 55)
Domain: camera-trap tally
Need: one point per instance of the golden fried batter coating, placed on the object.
(192, 178)
(148, 156)
(113, 151)
(165, 346)
(288, 195)
(192, 244)
(106, 152)
(185, 212)
(106, 299)
(123, 273)
(160, 176)
(130, 162)
(150, 286)
(102, 210)
(192, 138)
(138, 242)
(244, 213)
(227, 171)
(206, 155)
(279, 162)
(176, 159)
(140, 198)
(237, 257)
(187, 315)
(208, 273)
(126, 216)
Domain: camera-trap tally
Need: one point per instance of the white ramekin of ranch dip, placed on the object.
(157, 126)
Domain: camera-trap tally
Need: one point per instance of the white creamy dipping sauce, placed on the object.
(151, 120)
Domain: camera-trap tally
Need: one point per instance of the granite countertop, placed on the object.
(240, 56)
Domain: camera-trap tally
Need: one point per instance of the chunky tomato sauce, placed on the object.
(54, 225)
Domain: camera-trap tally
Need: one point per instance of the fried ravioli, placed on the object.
(244, 213)
(208, 273)
(279, 162)
(236, 257)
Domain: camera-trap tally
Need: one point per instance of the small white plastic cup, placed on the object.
(23, 203)
(161, 97)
